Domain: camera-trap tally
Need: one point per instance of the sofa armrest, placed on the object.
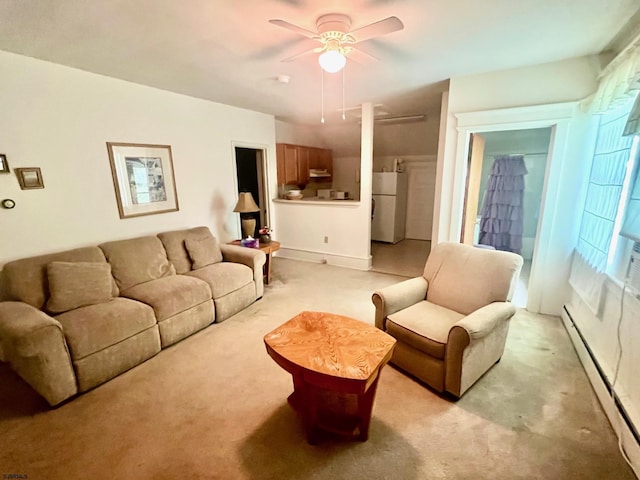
(391, 299)
(251, 257)
(34, 344)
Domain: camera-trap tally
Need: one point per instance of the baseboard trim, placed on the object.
(356, 263)
(618, 418)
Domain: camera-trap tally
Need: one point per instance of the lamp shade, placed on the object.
(246, 204)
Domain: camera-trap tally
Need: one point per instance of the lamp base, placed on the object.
(248, 227)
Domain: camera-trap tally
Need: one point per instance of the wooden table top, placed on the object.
(329, 344)
(270, 247)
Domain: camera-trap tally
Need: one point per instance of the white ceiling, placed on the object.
(227, 51)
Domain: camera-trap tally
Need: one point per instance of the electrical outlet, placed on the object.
(326, 239)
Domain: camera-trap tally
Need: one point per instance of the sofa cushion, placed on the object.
(170, 295)
(137, 260)
(203, 251)
(173, 242)
(77, 284)
(224, 277)
(424, 326)
(95, 327)
(25, 280)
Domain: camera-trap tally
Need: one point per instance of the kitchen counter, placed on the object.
(319, 201)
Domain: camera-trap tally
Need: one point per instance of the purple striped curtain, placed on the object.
(501, 215)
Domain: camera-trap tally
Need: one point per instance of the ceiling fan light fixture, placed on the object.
(332, 61)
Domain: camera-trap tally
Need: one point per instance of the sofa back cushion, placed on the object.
(77, 284)
(176, 246)
(465, 278)
(137, 260)
(25, 280)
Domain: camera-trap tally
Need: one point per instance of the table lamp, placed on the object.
(246, 205)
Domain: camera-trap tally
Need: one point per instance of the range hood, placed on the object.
(318, 173)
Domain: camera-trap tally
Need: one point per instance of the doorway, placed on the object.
(250, 177)
(533, 144)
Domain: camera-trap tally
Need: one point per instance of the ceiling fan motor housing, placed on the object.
(333, 22)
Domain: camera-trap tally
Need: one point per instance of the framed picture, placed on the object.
(4, 166)
(29, 178)
(143, 179)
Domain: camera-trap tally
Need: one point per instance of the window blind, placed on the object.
(606, 179)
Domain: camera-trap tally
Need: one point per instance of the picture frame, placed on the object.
(29, 178)
(4, 165)
(143, 179)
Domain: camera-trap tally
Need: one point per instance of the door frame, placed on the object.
(546, 284)
(263, 180)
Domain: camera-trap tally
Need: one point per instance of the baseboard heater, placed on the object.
(605, 381)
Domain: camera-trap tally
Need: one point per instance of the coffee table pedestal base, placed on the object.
(322, 409)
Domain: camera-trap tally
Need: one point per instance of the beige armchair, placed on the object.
(451, 324)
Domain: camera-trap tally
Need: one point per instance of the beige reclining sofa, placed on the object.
(75, 319)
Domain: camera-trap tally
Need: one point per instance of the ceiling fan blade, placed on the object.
(388, 25)
(304, 48)
(294, 28)
(361, 57)
(298, 55)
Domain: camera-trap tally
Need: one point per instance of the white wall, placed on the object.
(306, 135)
(600, 332)
(59, 119)
(404, 139)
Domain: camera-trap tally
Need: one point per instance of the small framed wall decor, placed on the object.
(29, 178)
(143, 179)
(4, 165)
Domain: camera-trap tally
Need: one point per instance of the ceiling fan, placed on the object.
(337, 40)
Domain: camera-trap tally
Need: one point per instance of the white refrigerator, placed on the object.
(389, 193)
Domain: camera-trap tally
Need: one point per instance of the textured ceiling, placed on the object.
(227, 51)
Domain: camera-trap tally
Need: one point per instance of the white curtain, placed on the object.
(619, 81)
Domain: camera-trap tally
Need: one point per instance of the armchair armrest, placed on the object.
(391, 299)
(481, 322)
(475, 343)
(34, 344)
(251, 257)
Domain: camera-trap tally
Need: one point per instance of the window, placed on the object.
(608, 182)
(600, 250)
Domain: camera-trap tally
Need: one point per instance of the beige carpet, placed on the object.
(214, 407)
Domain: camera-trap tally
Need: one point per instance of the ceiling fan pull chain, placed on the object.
(322, 73)
(344, 117)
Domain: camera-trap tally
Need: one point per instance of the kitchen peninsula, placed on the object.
(324, 231)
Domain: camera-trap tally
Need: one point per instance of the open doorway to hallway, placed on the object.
(406, 258)
(483, 209)
(250, 176)
(403, 190)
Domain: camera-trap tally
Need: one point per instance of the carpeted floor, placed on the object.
(214, 407)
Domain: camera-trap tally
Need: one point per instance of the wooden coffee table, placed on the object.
(335, 362)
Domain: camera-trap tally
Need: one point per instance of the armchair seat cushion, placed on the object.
(170, 295)
(424, 326)
(224, 277)
(95, 327)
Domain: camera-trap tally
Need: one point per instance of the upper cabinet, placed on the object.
(297, 163)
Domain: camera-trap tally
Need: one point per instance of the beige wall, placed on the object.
(59, 119)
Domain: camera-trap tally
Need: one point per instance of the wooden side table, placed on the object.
(268, 249)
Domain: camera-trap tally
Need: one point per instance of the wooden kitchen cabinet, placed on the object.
(287, 164)
(295, 161)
